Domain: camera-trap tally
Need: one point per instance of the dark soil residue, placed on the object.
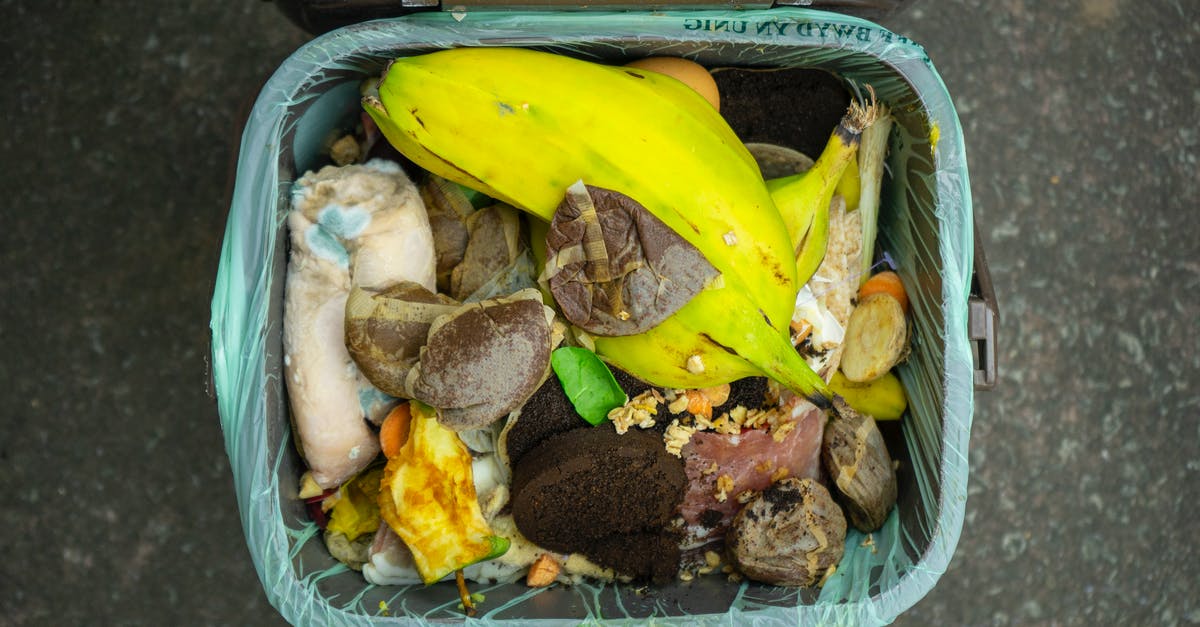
(610, 497)
(750, 393)
(549, 412)
(795, 108)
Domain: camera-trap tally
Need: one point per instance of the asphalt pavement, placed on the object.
(123, 121)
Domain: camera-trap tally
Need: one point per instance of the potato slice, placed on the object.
(876, 338)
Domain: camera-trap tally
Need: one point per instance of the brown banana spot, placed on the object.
(455, 166)
(727, 349)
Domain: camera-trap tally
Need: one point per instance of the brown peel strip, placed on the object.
(594, 250)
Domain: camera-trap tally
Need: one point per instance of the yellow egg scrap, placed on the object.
(687, 72)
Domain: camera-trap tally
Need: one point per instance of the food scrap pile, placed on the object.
(529, 338)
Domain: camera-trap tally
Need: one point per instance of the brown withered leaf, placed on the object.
(616, 269)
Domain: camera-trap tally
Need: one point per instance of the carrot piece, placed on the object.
(393, 433)
(699, 403)
(800, 330)
(886, 282)
(717, 394)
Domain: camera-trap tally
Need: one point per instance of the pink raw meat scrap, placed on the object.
(749, 458)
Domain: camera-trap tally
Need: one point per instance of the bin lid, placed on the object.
(320, 16)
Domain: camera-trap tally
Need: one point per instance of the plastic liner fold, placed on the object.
(926, 227)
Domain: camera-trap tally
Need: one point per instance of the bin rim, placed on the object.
(242, 323)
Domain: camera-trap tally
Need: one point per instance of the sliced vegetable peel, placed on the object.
(427, 496)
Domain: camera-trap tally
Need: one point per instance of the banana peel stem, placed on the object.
(773, 354)
(801, 198)
(818, 184)
(799, 378)
(374, 107)
(863, 113)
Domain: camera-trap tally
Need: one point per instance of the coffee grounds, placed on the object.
(782, 496)
(609, 497)
(711, 518)
(548, 412)
(795, 108)
(631, 384)
(750, 393)
(653, 557)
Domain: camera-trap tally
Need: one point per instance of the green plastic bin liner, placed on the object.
(925, 225)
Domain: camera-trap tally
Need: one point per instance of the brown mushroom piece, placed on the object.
(790, 534)
(855, 456)
(386, 329)
(484, 360)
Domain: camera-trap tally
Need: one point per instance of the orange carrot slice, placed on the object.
(886, 282)
(393, 433)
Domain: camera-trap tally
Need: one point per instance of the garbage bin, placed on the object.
(925, 225)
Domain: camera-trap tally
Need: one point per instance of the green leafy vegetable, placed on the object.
(588, 383)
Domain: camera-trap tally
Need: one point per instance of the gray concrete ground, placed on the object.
(1080, 120)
